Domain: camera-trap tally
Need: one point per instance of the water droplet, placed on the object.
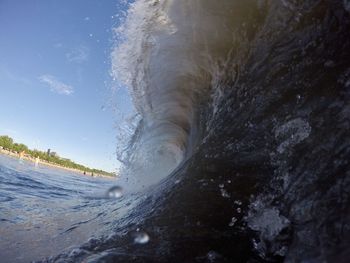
(213, 256)
(237, 202)
(115, 192)
(141, 237)
(224, 193)
(233, 221)
(221, 185)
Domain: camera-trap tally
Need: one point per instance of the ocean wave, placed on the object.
(245, 104)
(168, 54)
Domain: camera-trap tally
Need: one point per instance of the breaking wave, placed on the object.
(169, 55)
(241, 127)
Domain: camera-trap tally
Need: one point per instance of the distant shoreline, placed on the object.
(43, 162)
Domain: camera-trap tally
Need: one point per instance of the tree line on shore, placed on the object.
(7, 143)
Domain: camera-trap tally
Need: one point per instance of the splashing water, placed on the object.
(165, 58)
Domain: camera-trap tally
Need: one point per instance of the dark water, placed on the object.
(247, 103)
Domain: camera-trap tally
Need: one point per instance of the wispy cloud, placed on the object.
(56, 85)
(78, 55)
(5, 73)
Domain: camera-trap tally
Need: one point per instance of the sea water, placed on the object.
(239, 152)
(44, 210)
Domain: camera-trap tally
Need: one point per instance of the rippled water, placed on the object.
(44, 211)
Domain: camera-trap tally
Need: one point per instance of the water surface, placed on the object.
(45, 210)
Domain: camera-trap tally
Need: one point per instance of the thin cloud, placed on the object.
(5, 73)
(56, 85)
(78, 55)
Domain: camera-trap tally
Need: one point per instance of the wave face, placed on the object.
(243, 132)
(170, 53)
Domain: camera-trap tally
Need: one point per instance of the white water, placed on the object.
(167, 54)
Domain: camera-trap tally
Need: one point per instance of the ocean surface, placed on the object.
(45, 210)
(237, 151)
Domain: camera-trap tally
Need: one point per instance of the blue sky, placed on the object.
(54, 77)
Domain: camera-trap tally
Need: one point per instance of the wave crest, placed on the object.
(167, 54)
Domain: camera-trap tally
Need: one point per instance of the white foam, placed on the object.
(166, 54)
(292, 133)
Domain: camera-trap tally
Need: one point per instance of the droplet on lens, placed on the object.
(141, 237)
(115, 192)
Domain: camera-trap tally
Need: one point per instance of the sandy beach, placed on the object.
(53, 165)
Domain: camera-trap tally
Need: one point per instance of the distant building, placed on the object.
(48, 151)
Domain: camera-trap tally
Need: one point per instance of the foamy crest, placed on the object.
(165, 55)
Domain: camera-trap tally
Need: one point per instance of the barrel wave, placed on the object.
(241, 149)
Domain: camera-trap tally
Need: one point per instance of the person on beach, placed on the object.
(37, 159)
(21, 155)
